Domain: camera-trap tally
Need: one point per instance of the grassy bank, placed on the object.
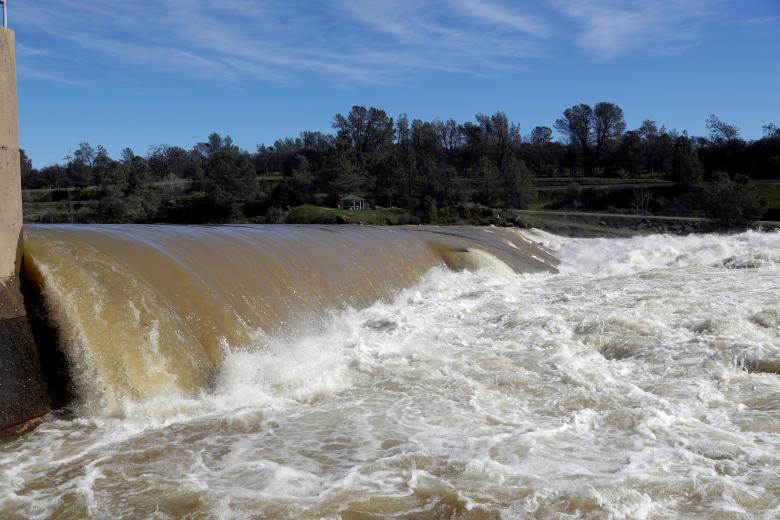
(451, 215)
(588, 209)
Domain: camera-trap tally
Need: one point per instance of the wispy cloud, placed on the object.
(761, 21)
(365, 42)
(611, 28)
(44, 75)
(31, 51)
(342, 41)
(497, 14)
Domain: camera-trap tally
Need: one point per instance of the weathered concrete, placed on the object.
(23, 397)
(10, 175)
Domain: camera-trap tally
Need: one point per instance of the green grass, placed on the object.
(549, 200)
(375, 216)
(576, 227)
(598, 181)
(450, 215)
(308, 214)
(64, 211)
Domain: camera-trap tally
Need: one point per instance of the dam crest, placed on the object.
(146, 311)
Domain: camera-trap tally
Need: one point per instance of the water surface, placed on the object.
(618, 388)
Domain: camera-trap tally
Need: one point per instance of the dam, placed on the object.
(124, 299)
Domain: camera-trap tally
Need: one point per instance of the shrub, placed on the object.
(732, 202)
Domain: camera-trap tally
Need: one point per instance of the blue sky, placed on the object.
(146, 72)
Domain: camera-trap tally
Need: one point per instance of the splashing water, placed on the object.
(619, 388)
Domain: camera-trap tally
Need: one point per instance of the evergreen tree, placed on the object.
(686, 166)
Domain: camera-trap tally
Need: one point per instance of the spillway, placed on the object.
(146, 311)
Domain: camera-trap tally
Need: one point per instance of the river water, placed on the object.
(636, 383)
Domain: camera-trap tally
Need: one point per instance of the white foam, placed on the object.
(613, 389)
(624, 256)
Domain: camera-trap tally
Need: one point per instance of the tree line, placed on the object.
(416, 164)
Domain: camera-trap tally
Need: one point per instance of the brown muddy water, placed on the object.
(356, 373)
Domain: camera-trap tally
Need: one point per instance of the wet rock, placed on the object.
(700, 327)
(768, 366)
(383, 325)
(769, 318)
(23, 399)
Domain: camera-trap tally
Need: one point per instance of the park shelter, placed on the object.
(353, 202)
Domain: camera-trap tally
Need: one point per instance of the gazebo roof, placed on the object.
(351, 197)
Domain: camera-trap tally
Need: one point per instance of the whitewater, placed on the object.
(638, 382)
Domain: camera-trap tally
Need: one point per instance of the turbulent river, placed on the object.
(639, 382)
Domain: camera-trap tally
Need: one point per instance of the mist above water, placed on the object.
(617, 388)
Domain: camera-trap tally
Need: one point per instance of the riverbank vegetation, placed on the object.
(414, 171)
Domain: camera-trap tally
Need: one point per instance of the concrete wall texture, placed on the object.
(11, 184)
(23, 399)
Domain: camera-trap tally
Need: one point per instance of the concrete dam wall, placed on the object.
(22, 396)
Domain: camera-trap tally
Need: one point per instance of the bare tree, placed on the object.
(451, 136)
(501, 136)
(648, 130)
(771, 130)
(720, 131)
(641, 201)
